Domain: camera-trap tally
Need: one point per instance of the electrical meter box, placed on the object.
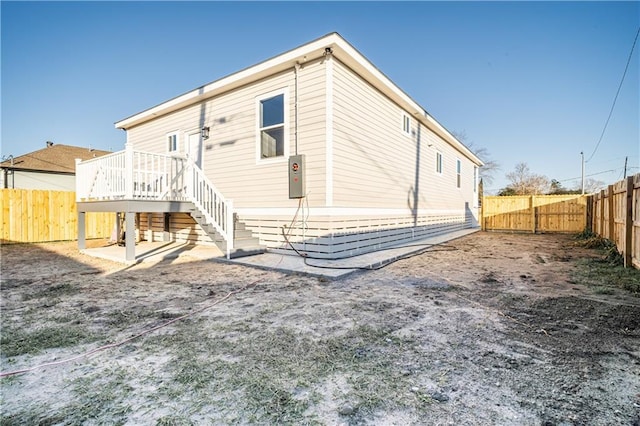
(296, 176)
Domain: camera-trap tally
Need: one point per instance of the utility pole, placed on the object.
(582, 155)
(625, 166)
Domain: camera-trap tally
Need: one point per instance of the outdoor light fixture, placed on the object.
(205, 132)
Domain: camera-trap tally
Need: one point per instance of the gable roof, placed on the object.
(54, 158)
(340, 49)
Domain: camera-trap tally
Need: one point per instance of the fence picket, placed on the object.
(617, 217)
(33, 216)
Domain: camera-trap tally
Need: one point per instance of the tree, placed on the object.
(525, 182)
(490, 167)
(504, 192)
(592, 185)
(558, 189)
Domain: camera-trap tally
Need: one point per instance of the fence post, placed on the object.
(590, 219)
(601, 225)
(628, 224)
(532, 206)
(612, 223)
(483, 227)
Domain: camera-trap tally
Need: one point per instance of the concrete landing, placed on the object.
(342, 267)
(159, 251)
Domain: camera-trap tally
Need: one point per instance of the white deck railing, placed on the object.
(137, 175)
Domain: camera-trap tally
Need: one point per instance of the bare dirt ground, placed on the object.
(489, 329)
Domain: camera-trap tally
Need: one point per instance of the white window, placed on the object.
(439, 163)
(272, 134)
(172, 142)
(406, 125)
(458, 173)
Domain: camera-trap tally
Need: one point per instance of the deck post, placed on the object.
(230, 226)
(82, 240)
(128, 170)
(130, 236)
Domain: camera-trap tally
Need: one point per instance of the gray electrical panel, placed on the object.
(296, 176)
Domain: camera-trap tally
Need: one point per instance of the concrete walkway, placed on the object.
(159, 251)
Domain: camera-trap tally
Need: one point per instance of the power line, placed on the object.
(629, 168)
(600, 173)
(616, 97)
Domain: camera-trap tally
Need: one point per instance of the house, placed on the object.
(50, 168)
(315, 148)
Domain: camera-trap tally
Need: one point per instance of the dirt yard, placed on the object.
(489, 329)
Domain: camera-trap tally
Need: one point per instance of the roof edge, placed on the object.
(342, 50)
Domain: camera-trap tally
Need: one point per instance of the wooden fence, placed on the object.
(615, 215)
(31, 216)
(534, 213)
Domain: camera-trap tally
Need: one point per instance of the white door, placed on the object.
(194, 148)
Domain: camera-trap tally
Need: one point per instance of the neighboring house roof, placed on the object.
(54, 159)
(340, 49)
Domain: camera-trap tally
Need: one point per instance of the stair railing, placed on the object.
(210, 202)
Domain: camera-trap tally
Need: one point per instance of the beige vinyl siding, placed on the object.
(376, 165)
(369, 146)
(229, 155)
(311, 129)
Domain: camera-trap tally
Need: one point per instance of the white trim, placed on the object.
(476, 179)
(458, 172)
(175, 133)
(341, 211)
(329, 131)
(187, 147)
(285, 101)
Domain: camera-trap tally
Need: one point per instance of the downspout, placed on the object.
(295, 106)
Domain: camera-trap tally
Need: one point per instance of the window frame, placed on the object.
(458, 173)
(175, 134)
(406, 124)
(285, 126)
(439, 162)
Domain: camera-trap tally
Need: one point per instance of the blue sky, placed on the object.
(529, 81)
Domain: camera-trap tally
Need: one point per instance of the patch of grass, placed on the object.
(136, 315)
(52, 291)
(603, 290)
(18, 341)
(11, 283)
(603, 276)
(101, 396)
(41, 416)
(276, 374)
(173, 420)
(100, 399)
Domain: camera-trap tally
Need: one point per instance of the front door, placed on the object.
(194, 148)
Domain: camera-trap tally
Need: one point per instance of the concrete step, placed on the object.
(247, 251)
(244, 244)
